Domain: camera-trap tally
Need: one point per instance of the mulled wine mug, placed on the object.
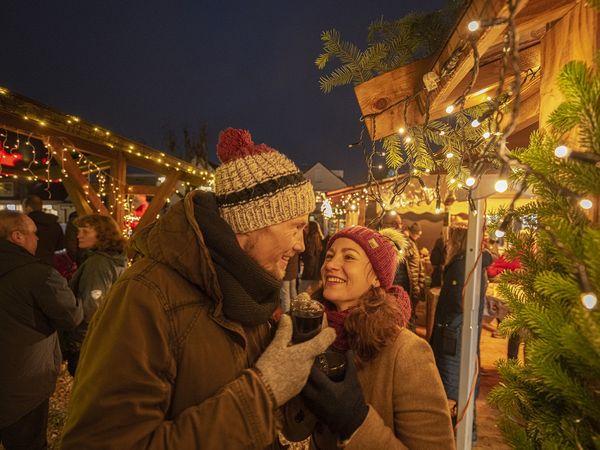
(307, 318)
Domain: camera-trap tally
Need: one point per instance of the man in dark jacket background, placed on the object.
(50, 234)
(35, 301)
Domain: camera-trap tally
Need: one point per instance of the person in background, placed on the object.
(438, 253)
(71, 243)
(105, 261)
(446, 335)
(391, 396)
(289, 286)
(416, 271)
(311, 258)
(50, 234)
(35, 301)
(401, 278)
(183, 353)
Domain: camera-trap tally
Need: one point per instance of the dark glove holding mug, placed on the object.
(340, 405)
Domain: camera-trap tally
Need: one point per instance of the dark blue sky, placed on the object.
(139, 67)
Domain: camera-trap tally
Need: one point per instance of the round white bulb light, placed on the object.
(562, 151)
(501, 186)
(401, 130)
(449, 155)
(486, 135)
(589, 300)
(473, 25)
(586, 203)
(499, 233)
(470, 181)
(475, 123)
(449, 109)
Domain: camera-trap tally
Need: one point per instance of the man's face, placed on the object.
(25, 236)
(272, 247)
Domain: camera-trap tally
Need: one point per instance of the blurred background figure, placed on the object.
(311, 258)
(140, 204)
(50, 234)
(289, 285)
(105, 261)
(438, 253)
(416, 271)
(35, 301)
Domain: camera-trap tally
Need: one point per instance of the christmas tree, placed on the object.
(552, 400)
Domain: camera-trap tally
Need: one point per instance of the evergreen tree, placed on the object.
(552, 401)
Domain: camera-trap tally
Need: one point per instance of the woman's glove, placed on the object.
(340, 405)
(284, 368)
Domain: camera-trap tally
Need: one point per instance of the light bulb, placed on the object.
(452, 180)
(501, 186)
(562, 151)
(473, 25)
(486, 135)
(449, 155)
(589, 300)
(449, 109)
(438, 210)
(499, 233)
(407, 139)
(401, 130)
(475, 123)
(392, 213)
(586, 203)
(470, 181)
(442, 133)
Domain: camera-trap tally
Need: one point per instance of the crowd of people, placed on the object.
(189, 346)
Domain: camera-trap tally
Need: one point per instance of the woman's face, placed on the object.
(87, 237)
(347, 274)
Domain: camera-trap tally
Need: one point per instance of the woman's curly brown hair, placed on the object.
(373, 324)
(107, 232)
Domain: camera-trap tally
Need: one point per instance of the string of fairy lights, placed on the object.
(486, 134)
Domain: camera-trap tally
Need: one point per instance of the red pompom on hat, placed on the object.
(256, 186)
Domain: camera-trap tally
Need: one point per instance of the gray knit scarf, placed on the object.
(250, 294)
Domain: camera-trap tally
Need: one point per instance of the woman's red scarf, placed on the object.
(336, 319)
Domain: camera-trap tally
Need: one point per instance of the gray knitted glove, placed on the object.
(284, 368)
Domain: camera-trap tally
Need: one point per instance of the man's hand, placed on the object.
(284, 368)
(339, 405)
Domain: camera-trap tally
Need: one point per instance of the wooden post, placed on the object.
(164, 191)
(77, 198)
(118, 171)
(79, 182)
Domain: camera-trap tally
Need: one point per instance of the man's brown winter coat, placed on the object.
(180, 376)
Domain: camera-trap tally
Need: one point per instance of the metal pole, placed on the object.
(470, 326)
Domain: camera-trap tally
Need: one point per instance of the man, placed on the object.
(180, 355)
(35, 301)
(51, 236)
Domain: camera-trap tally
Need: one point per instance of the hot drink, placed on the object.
(307, 318)
(306, 325)
(333, 364)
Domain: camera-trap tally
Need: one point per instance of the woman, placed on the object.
(407, 407)
(311, 258)
(105, 261)
(446, 335)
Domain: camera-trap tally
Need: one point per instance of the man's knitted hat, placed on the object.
(380, 250)
(256, 186)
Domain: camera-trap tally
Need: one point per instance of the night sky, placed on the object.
(138, 68)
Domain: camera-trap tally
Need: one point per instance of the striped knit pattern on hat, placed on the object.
(256, 186)
(381, 252)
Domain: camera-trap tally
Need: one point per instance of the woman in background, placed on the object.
(311, 258)
(100, 237)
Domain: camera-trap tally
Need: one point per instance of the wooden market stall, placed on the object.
(75, 148)
(476, 59)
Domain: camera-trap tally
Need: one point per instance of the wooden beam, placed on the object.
(138, 157)
(81, 205)
(142, 189)
(119, 173)
(164, 192)
(77, 178)
(479, 10)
